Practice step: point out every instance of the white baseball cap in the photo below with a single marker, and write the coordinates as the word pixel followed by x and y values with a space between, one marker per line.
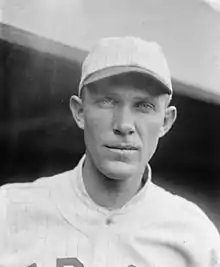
pixel 116 55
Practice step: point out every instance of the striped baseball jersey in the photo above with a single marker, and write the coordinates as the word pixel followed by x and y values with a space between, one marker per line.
pixel 52 222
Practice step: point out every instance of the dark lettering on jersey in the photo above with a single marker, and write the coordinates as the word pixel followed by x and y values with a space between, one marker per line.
pixel 73 262
pixel 69 262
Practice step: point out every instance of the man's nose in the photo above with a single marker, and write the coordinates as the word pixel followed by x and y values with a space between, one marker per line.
pixel 123 122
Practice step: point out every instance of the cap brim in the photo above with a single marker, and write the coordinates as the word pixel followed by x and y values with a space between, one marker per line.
pixel 117 70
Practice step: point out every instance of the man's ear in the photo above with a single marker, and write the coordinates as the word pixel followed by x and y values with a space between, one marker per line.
pixel 169 119
pixel 76 107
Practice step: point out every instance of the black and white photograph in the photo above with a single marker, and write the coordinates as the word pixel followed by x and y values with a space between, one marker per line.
pixel 110 133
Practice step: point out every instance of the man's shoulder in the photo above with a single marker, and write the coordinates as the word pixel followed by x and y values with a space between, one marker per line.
pixel 182 224
pixel 175 204
pixel 38 184
pixel 38 191
pixel 181 212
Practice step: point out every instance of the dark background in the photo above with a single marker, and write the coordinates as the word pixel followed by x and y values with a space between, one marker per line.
pixel 38 136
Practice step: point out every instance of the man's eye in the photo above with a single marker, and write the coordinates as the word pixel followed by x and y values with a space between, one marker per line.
pixel 107 102
pixel 145 106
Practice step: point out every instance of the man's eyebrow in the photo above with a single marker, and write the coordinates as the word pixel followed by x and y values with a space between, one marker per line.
pixel 107 93
pixel 144 98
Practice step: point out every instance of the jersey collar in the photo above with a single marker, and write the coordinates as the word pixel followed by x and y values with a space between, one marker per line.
pixel 80 190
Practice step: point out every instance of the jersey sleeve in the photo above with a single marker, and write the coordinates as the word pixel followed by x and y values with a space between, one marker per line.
pixel 210 238
pixel 3 208
pixel 7 258
pixel 205 245
pixel 3 224
pixel 214 240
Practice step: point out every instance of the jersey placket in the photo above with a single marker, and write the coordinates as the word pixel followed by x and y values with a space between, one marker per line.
pixel 102 242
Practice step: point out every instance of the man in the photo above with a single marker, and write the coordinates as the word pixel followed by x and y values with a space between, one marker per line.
pixel 107 211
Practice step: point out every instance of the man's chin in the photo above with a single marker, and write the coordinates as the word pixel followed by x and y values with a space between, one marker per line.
pixel 118 170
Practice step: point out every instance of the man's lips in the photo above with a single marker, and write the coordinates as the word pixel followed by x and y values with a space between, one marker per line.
pixel 123 147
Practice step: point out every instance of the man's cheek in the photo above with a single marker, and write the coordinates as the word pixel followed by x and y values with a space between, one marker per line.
pixel 100 125
pixel 153 129
pixel 94 131
pixel 150 138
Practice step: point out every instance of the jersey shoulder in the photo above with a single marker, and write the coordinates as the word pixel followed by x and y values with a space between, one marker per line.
pixel 178 210
pixel 175 205
pixel 37 196
pixel 40 187
pixel 181 224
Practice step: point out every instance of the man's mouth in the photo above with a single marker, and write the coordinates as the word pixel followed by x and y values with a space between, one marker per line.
pixel 123 147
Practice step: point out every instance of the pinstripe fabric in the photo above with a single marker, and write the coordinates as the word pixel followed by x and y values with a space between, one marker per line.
pixel 53 222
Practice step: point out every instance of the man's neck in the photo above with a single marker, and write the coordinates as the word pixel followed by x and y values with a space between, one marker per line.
pixel 107 192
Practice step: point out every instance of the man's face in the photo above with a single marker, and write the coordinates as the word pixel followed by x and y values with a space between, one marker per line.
pixel 122 125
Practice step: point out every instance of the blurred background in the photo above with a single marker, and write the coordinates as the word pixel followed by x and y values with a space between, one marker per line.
pixel 42 46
